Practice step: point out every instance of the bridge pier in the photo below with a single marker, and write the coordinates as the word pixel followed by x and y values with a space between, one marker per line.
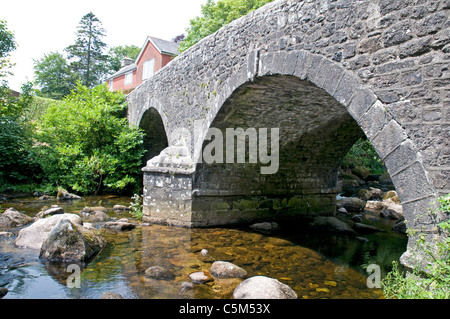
pixel 170 199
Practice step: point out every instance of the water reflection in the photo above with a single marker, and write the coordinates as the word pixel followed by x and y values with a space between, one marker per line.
pixel 315 265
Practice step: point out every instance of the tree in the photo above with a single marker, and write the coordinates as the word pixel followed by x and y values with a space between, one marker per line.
pixel 215 15
pixel 7 45
pixel 85 143
pixel 15 136
pixel 87 52
pixel 118 53
pixel 52 74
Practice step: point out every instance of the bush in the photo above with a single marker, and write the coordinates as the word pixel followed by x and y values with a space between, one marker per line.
pixel 16 165
pixel 85 143
pixel 434 281
pixel 363 154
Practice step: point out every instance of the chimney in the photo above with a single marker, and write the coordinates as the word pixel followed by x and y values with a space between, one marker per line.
pixel 126 61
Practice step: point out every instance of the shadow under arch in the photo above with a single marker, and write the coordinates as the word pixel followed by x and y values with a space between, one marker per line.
pixel 155 138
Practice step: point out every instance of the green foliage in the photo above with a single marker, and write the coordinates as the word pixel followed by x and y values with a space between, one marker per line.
pixel 116 55
pixel 53 75
pixel 215 15
pixel 15 135
pixel 85 143
pixel 434 281
pixel 136 206
pixel 88 60
pixel 7 45
pixel 363 154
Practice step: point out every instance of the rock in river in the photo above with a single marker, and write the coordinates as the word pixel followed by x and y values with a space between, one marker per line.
pixel 224 269
pixel 65 195
pixel 70 242
pixel 34 235
pixel 261 287
pixel 121 225
pixel 351 204
pixel 12 218
pixel 331 224
pixel 160 273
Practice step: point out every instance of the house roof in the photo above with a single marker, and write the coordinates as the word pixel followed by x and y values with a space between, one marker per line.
pixel 163 46
pixel 122 71
pixel 166 47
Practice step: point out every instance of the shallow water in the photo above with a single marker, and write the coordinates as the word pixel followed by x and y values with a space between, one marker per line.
pixel 315 265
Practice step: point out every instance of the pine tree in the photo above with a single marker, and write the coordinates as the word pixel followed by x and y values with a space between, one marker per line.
pixel 87 52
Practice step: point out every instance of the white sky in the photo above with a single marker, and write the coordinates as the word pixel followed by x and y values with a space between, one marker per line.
pixel 43 26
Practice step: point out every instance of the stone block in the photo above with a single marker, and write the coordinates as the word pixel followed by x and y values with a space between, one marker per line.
pixel 312 67
pixel 417 213
pixel 252 64
pixel 290 62
pixel 389 138
pixel 329 75
pixel 403 155
pixel 374 120
pixel 265 64
pixel 348 85
pixel 279 59
pixel 301 64
pixel 412 183
pixel 362 100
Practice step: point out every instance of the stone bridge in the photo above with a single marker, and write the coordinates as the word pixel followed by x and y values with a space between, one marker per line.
pixel 325 73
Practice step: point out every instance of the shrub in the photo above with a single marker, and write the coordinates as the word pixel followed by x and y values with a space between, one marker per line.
pixel 16 165
pixel 363 154
pixel 434 281
pixel 85 143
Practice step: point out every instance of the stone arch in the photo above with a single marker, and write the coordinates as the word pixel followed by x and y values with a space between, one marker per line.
pixel 356 108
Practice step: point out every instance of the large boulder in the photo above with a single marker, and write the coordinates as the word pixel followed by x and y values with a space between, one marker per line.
pixel 361 172
pixel 365 229
pixel 265 227
pixel 351 204
pixel 99 216
pixel 224 269
pixel 34 235
pixel 392 210
pixel 261 287
pixel 65 195
pixel 70 242
pixel 12 218
pixel 331 224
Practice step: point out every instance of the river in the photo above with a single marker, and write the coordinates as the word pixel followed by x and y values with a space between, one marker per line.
pixel 315 265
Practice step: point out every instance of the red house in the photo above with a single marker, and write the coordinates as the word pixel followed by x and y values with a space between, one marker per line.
pixel 154 55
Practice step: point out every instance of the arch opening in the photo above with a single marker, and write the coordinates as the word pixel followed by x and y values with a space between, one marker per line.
pixel 315 134
pixel 155 138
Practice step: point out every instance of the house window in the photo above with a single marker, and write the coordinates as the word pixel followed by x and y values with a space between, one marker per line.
pixel 148 68
pixel 128 78
pixel 111 82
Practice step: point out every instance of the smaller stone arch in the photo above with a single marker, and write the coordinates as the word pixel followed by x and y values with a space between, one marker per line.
pixel 155 138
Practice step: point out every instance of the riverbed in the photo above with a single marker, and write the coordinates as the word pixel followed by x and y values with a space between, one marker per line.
pixel 315 265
